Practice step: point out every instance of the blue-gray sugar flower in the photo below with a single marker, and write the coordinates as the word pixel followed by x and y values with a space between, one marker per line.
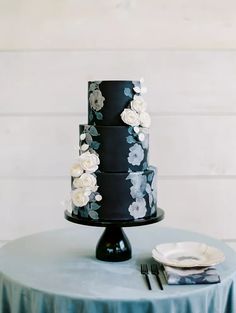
pixel 136 154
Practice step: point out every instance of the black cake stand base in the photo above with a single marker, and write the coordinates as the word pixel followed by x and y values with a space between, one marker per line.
pixel 114 245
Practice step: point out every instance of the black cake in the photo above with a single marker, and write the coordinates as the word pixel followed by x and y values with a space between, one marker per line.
pixel 111 180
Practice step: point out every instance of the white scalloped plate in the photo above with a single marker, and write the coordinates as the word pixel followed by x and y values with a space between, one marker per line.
pixel 187 254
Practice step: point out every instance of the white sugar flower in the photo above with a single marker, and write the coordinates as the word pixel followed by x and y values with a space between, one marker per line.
pixel 145 142
pixel 136 129
pixel 98 197
pixel 76 182
pixel 79 198
pixel 89 162
pixel 138 104
pixel 138 208
pixel 83 136
pixel 145 119
pixel 86 180
pixel 136 154
pixel 140 90
pixel 130 117
pixel 84 147
pixel 76 170
pixel 139 181
pixel 96 100
pixel 136 192
pixel 141 137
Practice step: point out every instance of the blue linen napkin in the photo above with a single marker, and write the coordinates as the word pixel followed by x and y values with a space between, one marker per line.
pixel 191 276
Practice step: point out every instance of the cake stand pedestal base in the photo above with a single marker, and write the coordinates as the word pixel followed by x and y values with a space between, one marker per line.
pixel 114 246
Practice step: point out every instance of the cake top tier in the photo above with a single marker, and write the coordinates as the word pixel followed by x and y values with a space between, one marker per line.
pixel 107 100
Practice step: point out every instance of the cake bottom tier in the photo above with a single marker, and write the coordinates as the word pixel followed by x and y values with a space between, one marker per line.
pixel 125 196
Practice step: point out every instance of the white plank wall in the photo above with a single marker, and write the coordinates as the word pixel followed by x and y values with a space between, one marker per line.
pixel 117 24
pixel 184 49
pixel 179 82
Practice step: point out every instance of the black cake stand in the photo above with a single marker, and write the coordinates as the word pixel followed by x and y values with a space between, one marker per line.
pixel 114 245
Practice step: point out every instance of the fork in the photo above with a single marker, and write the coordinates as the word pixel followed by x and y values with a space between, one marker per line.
pixel 144 271
pixel 155 271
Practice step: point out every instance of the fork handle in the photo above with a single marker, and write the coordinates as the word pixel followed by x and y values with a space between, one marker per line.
pixel 159 281
pixel 148 282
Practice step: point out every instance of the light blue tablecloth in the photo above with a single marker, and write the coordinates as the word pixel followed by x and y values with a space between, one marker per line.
pixel 56 272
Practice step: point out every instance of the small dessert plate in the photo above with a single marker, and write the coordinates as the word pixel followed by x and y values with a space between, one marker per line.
pixel 187 254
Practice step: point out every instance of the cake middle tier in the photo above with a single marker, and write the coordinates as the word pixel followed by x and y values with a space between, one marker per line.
pixel 120 148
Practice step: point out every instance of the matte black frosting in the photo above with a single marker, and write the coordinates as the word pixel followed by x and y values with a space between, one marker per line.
pixel 118 147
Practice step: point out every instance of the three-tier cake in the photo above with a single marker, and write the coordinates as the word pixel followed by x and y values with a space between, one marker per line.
pixel 112 180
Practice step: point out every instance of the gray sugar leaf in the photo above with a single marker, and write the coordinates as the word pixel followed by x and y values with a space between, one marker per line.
pixel 93 215
pixel 128 93
pixel 94 206
pixel 88 139
pixel 130 139
pixel 93 131
pixel 99 115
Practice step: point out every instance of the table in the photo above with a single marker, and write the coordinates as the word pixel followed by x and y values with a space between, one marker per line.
pixel 57 272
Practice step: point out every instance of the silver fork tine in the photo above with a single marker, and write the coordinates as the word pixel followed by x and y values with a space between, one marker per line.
pixel 144 271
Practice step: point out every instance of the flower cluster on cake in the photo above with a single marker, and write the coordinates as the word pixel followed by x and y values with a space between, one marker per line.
pixel 111 179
